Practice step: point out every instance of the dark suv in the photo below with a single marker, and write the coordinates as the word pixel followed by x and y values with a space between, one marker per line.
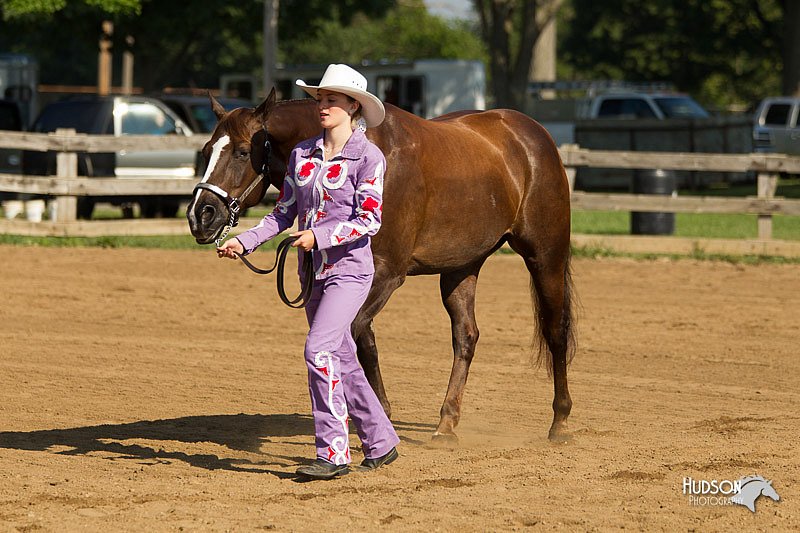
pixel 10 120
pixel 196 110
pixel 117 115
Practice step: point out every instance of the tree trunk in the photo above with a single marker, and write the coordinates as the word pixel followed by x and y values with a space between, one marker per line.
pixel 791 47
pixel 510 68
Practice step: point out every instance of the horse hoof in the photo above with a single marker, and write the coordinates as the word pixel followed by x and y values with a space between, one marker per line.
pixel 559 435
pixel 444 440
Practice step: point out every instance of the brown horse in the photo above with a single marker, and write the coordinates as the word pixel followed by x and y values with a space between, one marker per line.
pixel 456 189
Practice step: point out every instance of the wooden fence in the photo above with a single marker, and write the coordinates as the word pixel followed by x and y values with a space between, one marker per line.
pixel 66 186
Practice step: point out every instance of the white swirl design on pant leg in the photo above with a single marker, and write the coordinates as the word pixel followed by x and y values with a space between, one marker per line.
pixel 339 449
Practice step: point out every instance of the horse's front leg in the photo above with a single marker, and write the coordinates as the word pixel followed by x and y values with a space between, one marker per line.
pixel 458 296
pixel 383 285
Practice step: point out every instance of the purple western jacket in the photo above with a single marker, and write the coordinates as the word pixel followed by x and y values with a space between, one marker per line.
pixel 340 200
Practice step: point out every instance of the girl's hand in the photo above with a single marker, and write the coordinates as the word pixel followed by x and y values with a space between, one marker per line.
pixel 229 247
pixel 305 239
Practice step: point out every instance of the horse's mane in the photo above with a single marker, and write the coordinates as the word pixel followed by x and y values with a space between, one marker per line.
pixel 750 479
pixel 293 101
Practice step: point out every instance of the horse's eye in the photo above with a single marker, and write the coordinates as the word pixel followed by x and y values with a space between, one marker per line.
pixel 242 154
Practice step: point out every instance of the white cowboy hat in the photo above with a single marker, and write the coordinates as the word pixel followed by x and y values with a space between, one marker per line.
pixel 346 80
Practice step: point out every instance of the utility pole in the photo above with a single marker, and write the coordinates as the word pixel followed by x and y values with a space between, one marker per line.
pixel 127 66
pixel 104 59
pixel 544 51
pixel 270 46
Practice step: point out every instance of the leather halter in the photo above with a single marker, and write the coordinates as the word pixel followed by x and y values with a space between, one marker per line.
pixel 234 204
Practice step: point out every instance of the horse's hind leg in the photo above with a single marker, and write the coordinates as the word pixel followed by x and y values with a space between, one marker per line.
pixel 458 296
pixel 551 288
pixel 383 286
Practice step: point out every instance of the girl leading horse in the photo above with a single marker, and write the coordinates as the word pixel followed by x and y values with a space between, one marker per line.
pixel 456 189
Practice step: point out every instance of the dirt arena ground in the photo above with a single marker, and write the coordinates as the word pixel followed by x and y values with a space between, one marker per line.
pixel 147 390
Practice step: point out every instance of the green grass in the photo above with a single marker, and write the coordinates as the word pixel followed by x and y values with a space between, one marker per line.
pixel 710 226
pixel 699 225
pixel 787 188
pixel 593 252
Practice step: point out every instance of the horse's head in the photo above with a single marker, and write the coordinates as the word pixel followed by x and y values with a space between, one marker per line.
pixel 237 172
pixel 769 491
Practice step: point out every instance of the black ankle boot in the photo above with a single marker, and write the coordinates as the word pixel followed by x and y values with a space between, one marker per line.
pixel 321 469
pixel 372 464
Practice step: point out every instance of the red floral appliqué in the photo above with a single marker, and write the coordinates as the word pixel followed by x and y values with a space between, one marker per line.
pixel 333 172
pixel 325 268
pixel 327 197
pixel 305 170
pixel 355 233
pixel 320 215
pixel 369 204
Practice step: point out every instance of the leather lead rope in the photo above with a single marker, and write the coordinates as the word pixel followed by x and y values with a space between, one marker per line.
pixel 280 263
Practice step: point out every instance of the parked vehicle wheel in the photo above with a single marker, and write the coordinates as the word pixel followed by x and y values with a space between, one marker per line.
pixel 85 208
pixel 159 208
pixel 128 210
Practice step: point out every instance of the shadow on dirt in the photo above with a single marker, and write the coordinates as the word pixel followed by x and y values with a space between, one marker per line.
pixel 241 432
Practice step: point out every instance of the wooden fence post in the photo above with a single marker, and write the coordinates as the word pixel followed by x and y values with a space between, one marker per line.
pixel 571 171
pixel 66 167
pixel 767 184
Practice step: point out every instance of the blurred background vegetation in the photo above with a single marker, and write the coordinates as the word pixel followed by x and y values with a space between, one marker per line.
pixel 724 52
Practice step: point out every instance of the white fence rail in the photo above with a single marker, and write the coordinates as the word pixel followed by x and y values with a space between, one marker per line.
pixel 66 186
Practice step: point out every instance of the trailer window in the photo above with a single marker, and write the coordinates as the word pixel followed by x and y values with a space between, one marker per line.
pixel 406 92
pixel 414 96
pixel 389 89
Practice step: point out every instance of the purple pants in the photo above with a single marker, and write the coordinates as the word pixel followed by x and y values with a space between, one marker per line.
pixel 339 390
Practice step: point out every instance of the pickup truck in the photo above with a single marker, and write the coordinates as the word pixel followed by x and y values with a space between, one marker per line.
pixel 117 115
pixel 559 116
pixel 776 125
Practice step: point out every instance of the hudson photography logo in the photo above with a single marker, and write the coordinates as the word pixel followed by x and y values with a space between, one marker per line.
pixel 744 491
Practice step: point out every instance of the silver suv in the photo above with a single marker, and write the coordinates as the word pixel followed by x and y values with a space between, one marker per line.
pixel 776 125
pixel 117 115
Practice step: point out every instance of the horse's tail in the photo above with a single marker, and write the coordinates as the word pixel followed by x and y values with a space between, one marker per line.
pixel 564 337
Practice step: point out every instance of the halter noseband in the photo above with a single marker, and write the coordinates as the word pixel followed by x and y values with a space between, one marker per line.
pixel 234 204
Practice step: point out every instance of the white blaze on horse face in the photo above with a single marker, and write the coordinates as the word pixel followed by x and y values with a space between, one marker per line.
pixel 216 150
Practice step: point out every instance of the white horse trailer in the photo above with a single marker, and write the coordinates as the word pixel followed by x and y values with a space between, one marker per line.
pixel 428 88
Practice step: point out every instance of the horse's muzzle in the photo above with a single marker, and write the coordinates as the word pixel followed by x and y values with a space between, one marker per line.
pixel 206 220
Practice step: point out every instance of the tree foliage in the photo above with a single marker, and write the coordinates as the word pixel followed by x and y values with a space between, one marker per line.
pixel 406 31
pixel 723 51
pixel 193 43
pixel 22 8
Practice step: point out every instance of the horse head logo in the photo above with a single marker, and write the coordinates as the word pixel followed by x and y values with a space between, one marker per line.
pixel 751 488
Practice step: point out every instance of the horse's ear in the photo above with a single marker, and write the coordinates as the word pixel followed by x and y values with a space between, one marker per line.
pixel 216 106
pixel 262 111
